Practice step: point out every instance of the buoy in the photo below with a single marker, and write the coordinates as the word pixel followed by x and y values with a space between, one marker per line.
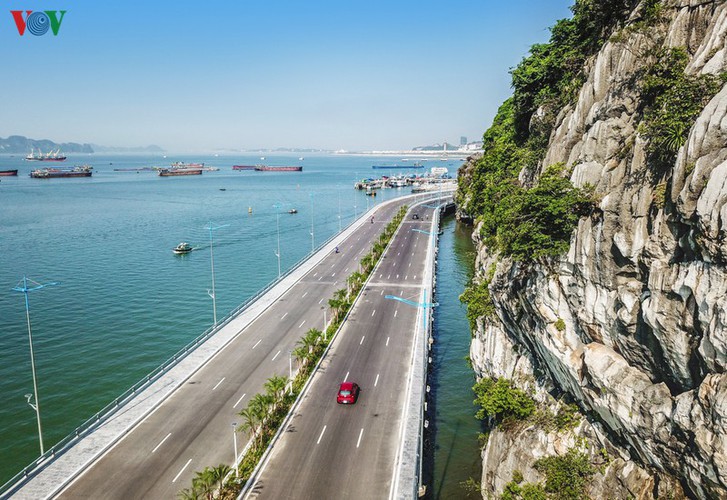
pixel 249 210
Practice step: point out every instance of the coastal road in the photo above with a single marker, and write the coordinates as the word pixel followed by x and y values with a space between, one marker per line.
pixel 349 451
pixel 193 428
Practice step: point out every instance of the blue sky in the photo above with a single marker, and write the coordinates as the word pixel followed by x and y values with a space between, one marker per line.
pixel 201 76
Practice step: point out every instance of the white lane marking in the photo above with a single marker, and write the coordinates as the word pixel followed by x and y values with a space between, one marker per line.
pixel 362 339
pixel 256 343
pixel 398 254
pixel 360 434
pixel 409 264
pixel 388 277
pixel 276 355
pixel 320 278
pixel 218 383
pixel 373 312
pixel 396 312
pixel 382 292
pixel 345 270
pixel 306 293
pixel 283 316
pixel 376 382
pixel 321 436
pixel 381 274
pixel 180 472
pixel 320 301
pixel 238 401
pixel 406 277
pixel 332 275
pixel 301 324
pixel 346 377
pixel 415 276
pixel 316 274
pixel 387 341
pixel 161 443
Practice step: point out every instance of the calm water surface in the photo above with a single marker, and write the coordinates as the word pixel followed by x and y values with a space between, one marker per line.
pixel 456 450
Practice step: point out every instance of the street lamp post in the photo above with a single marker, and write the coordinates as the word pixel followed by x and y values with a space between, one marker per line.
pixel 339 208
pixel 312 227
pixel 25 289
pixel 277 226
pixel 212 265
pixel 234 440
pixel 290 371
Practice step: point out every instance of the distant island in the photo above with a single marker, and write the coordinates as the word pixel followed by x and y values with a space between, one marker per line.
pixel 18 144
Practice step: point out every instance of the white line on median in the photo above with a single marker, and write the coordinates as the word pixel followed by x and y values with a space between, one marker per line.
pixel 238 401
pixel 161 443
pixel 218 383
pixel 276 355
pixel 321 436
pixel 360 434
pixel 180 472
pixel 376 382
pixel 256 343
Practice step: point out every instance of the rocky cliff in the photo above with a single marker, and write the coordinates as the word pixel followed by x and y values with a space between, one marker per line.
pixel 630 323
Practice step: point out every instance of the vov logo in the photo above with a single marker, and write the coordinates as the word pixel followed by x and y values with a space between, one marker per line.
pixel 38 22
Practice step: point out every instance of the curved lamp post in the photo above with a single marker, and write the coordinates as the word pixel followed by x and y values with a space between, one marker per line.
pixel 25 289
pixel 211 293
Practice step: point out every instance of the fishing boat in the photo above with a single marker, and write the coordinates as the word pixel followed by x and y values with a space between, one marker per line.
pixel 53 173
pixel 50 156
pixel 183 247
pixel 292 211
pixel 267 168
pixel 8 173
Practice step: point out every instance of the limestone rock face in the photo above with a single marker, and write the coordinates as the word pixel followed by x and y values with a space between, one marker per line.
pixel 642 291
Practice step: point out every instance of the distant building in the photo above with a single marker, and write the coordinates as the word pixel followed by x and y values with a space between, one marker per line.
pixel 462 141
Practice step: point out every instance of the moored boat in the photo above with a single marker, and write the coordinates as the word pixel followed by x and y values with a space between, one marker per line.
pixel 53 173
pixel 50 156
pixel 268 168
pixel 8 173
pixel 171 172
pixel 243 167
pixel 183 247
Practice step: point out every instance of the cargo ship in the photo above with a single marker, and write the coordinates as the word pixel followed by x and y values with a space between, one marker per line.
pixel 266 168
pixel 243 167
pixel 171 172
pixel 50 156
pixel 53 173
pixel 8 173
pixel 181 164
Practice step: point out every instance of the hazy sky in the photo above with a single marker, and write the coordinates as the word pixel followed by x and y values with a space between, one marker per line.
pixel 198 76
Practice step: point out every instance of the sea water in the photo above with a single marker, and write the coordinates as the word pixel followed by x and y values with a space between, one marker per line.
pixel 125 303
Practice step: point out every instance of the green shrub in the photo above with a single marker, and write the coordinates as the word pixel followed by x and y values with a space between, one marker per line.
pixel 500 400
pixel 560 325
pixel 478 299
pixel 566 476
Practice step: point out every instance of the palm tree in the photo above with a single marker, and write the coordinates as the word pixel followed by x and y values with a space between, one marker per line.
pixel 276 387
pixel 218 474
pixel 188 494
pixel 367 262
pixel 250 421
pixel 203 483
pixel 301 355
pixel 338 303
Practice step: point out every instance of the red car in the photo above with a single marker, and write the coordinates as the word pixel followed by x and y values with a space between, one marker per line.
pixel 347 393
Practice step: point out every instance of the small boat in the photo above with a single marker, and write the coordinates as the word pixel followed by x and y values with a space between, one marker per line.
pixel 223 189
pixel 182 248
pixel 7 173
pixel 292 211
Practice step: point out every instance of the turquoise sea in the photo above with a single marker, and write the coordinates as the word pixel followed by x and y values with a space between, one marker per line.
pixel 125 302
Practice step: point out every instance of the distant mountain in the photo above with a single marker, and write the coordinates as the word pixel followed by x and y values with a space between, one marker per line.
pixel 436 147
pixel 153 148
pixel 17 144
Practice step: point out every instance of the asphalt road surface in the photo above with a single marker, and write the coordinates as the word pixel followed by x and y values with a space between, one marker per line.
pixel 332 451
pixel 192 429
